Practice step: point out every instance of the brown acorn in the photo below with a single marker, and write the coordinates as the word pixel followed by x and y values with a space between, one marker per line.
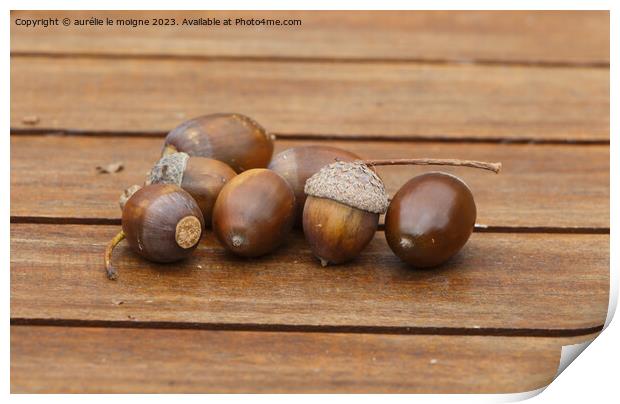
pixel 430 219
pixel 341 213
pixel 202 177
pixel 233 139
pixel 161 222
pixel 297 164
pixel 254 213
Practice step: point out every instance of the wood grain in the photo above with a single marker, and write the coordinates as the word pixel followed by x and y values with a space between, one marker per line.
pixel 108 360
pixel 314 99
pixel 557 37
pixel 491 320
pixel 555 282
pixel 540 185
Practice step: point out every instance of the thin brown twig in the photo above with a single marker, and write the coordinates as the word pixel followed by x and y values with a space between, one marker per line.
pixel 495 167
pixel 107 259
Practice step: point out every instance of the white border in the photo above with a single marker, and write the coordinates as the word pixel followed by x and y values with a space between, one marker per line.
pixel 592 375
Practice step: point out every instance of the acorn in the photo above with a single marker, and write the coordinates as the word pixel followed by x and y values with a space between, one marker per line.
pixel 254 213
pixel 341 213
pixel 202 177
pixel 233 139
pixel 297 164
pixel 128 193
pixel 430 219
pixel 161 222
pixel 344 201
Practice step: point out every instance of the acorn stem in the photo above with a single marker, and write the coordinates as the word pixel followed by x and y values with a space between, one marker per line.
pixel 110 271
pixel 495 167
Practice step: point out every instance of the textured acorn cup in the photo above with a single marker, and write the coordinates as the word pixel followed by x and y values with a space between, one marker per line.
pixel 430 219
pixel 203 178
pixel 297 164
pixel 233 139
pixel 161 222
pixel 254 213
pixel 341 213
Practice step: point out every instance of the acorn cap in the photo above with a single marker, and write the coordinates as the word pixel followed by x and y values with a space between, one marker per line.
pixel 127 193
pixel 351 183
pixel 169 169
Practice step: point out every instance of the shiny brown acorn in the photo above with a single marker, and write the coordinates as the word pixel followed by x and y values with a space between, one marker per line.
pixel 254 213
pixel 234 139
pixel 161 222
pixel 430 219
pixel 341 213
pixel 203 178
pixel 297 164
pixel 345 199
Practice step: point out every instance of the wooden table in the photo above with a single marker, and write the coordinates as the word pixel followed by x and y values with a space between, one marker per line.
pixel 530 89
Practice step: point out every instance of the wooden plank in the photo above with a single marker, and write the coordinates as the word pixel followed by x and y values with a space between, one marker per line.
pixel 314 99
pixel 554 282
pixel 110 360
pixel 515 37
pixel 540 186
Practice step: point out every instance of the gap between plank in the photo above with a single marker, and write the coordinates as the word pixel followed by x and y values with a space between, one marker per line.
pixel 315 59
pixel 332 329
pixel 478 227
pixel 321 136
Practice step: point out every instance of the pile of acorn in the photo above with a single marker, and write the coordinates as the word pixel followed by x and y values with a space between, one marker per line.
pixel 217 169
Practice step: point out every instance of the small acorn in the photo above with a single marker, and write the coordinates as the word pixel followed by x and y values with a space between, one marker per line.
pixel 234 139
pixel 202 177
pixel 254 213
pixel 297 164
pixel 161 222
pixel 430 219
pixel 341 213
